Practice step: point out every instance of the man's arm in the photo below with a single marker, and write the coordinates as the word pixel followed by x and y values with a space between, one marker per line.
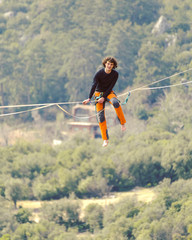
pixel 92 90
pixel 86 101
pixel 94 85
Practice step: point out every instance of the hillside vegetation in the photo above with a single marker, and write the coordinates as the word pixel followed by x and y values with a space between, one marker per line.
pixel 49 52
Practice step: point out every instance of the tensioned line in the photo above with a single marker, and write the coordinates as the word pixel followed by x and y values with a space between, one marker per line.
pixel 35 105
pixel 163 79
pixel 45 105
pixel 29 110
pixel 167 86
pixel 79 102
pixel 140 89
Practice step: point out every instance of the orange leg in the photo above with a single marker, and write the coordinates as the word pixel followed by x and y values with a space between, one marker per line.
pixel 100 108
pixel 112 99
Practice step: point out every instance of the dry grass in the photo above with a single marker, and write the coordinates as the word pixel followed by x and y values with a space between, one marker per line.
pixel 30 204
pixel 141 194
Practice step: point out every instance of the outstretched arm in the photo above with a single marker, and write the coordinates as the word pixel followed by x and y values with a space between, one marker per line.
pixel 101 100
pixel 94 84
pixel 86 101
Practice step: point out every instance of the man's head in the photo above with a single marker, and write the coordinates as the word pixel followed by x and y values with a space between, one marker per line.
pixel 111 60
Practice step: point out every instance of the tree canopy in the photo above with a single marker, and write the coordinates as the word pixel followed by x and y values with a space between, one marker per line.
pixel 49 52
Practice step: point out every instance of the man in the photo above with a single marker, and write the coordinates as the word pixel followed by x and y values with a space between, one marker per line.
pixel 102 88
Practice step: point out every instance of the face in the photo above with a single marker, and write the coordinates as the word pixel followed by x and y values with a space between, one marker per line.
pixel 109 66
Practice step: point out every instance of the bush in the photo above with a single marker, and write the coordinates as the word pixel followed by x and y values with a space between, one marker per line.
pixel 94 217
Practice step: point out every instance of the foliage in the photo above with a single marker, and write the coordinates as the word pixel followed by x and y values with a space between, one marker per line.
pixel 15 190
pixel 49 52
pixel 46 40
pixel 23 215
pixel 94 217
pixel 65 212
pixel 6 216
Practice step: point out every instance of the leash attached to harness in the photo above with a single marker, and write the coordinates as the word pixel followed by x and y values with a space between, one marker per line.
pixel 127 98
pixel 100 95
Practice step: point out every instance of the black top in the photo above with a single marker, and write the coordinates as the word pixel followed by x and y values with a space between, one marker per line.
pixel 103 82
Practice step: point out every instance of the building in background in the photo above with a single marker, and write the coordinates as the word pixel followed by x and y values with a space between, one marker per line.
pixel 85 119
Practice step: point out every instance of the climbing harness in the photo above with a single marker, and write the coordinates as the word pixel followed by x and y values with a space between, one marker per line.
pixel 98 97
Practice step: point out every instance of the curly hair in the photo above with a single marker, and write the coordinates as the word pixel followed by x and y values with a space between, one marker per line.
pixel 111 60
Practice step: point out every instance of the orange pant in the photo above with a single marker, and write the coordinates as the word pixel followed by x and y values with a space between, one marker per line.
pixel 100 109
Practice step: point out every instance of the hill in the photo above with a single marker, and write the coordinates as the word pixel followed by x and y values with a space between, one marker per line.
pixel 50 50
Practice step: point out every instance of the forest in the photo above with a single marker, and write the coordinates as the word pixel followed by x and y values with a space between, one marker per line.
pixel 49 53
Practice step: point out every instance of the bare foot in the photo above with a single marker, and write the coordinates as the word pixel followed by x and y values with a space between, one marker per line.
pixel 105 143
pixel 123 127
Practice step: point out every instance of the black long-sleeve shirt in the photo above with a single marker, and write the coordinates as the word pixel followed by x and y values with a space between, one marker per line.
pixel 103 82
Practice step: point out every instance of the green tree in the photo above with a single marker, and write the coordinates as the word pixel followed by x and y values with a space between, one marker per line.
pixel 93 186
pixel 6 69
pixel 143 12
pixel 6 237
pixel 151 67
pixel 6 217
pixel 94 217
pixel 23 215
pixel 123 43
pixel 46 187
pixel 15 190
pixel 64 212
pixel 84 70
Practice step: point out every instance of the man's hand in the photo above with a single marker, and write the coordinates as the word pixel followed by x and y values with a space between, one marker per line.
pixel 101 100
pixel 86 101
